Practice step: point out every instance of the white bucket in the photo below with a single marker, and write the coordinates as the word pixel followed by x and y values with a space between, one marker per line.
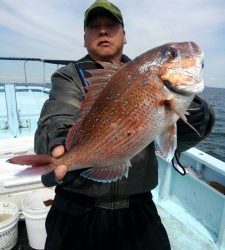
pixel 35 213
pixel 9 216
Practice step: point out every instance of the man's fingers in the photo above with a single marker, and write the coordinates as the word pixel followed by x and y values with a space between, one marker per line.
pixel 58 151
pixel 60 172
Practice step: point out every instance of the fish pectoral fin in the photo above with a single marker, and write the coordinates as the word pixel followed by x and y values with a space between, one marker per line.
pixel 181 113
pixel 178 109
pixel 107 174
pixel 167 142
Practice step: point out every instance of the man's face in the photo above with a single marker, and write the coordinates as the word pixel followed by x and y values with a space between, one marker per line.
pixel 104 39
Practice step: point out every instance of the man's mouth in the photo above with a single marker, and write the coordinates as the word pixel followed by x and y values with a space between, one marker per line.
pixel 104 43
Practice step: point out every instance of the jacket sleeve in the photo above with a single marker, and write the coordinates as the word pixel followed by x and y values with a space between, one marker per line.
pixel 60 111
pixel 201 116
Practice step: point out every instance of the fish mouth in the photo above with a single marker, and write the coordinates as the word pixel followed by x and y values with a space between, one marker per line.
pixel 182 89
pixel 184 79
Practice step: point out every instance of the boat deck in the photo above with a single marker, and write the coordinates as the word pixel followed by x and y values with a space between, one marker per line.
pixel 183 230
pixel 22 243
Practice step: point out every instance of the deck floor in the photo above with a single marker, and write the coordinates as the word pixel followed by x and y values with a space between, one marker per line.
pixel 22 243
pixel 184 231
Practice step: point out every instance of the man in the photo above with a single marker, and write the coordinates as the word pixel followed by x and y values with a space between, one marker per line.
pixel 91 215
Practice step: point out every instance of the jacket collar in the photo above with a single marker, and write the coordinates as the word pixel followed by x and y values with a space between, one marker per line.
pixel 87 58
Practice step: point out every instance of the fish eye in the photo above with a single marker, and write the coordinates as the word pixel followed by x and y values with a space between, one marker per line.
pixel 172 53
pixel 169 53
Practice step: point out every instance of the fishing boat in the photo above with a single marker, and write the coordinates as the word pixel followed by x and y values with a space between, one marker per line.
pixel 191 205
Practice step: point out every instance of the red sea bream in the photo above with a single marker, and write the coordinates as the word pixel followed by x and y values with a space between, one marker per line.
pixel 126 108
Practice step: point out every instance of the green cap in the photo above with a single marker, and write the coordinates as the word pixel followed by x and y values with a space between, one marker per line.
pixel 106 5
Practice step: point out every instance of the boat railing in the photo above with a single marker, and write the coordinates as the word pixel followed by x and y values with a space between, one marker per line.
pixel 21 102
pixel 17 117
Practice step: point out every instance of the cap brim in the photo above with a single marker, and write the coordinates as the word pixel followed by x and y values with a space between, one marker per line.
pixel 111 11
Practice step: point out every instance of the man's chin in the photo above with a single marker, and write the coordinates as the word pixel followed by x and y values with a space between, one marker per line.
pixel 106 56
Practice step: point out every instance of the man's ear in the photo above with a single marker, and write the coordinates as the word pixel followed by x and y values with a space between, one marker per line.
pixel 85 41
pixel 124 38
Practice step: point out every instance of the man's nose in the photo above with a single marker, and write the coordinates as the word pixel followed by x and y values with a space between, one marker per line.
pixel 103 30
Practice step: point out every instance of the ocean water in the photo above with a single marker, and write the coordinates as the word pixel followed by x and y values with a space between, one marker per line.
pixel 214 144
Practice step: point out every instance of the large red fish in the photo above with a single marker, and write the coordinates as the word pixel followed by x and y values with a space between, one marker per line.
pixel 126 109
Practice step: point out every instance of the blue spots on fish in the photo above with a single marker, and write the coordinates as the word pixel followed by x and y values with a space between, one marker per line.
pixel 144 82
pixel 106 121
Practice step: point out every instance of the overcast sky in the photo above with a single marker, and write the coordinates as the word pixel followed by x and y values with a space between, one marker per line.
pixel 53 29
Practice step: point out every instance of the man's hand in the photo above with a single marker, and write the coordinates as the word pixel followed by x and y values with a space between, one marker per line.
pixel 60 170
pixel 201 117
pixel 58 151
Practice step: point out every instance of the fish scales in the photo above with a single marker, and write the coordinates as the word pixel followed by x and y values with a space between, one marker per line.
pixel 119 124
pixel 113 150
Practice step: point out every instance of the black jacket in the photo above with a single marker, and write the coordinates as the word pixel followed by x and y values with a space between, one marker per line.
pixel 62 108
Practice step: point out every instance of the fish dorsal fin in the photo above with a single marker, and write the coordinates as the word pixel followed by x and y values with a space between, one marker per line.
pixel 111 65
pixel 97 82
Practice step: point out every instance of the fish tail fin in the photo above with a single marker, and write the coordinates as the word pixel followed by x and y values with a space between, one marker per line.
pixel 33 160
pixel 40 165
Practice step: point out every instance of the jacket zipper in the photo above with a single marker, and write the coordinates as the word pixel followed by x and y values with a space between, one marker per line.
pixel 115 192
